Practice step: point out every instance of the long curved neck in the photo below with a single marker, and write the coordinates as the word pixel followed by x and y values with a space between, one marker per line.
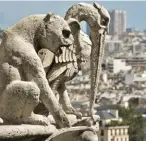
pixel 84 12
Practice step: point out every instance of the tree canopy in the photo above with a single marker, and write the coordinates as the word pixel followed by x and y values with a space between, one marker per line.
pixel 137 124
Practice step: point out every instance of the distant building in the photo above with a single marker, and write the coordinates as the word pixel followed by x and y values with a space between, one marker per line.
pixel 113 47
pixel 137 49
pixel 79 83
pixel 136 61
pixel 106 116
pixel 129 78
pixel 118 22
pixel 111 128
pixel 114 133
pixel 118 64
pixel 131 30
pixel 134 99
pixel 126 63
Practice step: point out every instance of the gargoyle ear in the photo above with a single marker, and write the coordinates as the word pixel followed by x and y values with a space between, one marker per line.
pixel 74 25
pixel 97 6
pixel 47 17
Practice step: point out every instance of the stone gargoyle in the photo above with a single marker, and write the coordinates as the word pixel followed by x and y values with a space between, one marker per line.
pixel 23 80
pixel 98 20
pixel 66 66
pixel 26 79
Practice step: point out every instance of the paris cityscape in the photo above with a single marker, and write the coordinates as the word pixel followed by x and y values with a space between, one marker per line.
pixel 121 98
pixel 122 82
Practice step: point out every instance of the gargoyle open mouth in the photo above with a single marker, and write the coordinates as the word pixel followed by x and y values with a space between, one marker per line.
pixel 59 50
pixel 67 45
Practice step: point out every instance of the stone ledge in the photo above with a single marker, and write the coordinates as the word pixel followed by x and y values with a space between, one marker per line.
pixel 66 134
pixel 22 132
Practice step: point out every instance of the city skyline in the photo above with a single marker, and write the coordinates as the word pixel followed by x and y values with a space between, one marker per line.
pixel 118 22
pixel 18 10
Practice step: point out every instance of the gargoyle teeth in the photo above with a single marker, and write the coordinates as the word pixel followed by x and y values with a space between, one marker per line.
pixel 64 59
pixel 67 55
pixel 56 59
pixel 60 58
pixel 70 56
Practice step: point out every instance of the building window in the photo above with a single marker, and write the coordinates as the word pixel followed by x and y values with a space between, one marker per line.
pixel 102 132
pixel 124 131
pixel 125 139
pixel 117 139
pixel 115 131
pixel 121 139
pixel 112 139
pixel 119 131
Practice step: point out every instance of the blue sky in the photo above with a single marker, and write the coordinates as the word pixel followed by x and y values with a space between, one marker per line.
pixel 12 11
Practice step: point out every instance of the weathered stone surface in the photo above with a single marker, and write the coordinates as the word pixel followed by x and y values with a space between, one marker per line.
pixel 72 59
pixel 26 78
pixel 25 132
pixel 98 19
pixel 70 134
pixel 64 68
pixel 22 77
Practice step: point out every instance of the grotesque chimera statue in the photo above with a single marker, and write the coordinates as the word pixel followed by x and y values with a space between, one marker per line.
pixel 66 66
pixel 22 77
pixel 26 79
pixel 98 20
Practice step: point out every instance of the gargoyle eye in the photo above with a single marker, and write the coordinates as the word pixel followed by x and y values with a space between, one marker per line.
pixel 66 33
pixel 104 22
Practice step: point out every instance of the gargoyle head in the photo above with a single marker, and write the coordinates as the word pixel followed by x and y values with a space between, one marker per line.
pixel 54 33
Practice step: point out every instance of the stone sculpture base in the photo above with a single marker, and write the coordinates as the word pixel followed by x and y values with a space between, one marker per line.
pixel 45 133
pixel 26 132
pixel 74 134
pixel 82 128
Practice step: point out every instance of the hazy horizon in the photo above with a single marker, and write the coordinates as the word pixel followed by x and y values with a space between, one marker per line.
pixel 13 11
